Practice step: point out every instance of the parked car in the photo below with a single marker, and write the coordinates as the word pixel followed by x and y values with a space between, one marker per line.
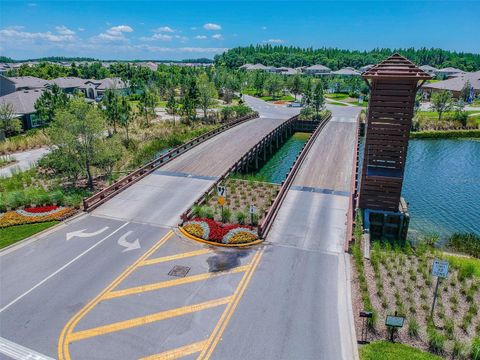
pixel 295 104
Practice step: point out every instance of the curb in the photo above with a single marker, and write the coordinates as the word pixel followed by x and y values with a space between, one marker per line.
pixel 191 237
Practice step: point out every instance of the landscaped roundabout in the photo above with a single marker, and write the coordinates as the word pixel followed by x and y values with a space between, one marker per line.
pixel 217 233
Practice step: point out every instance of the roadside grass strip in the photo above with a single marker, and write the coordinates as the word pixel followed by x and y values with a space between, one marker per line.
pixel 205 346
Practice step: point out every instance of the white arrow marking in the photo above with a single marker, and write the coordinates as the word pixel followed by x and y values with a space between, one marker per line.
pixel 128 245
pixel 19 352
pixel 81 233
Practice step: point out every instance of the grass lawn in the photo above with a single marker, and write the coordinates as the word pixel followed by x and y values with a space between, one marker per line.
pixel 383 350
pixel 466 263
pixel 13 234
pixel 337 96
pixel 281 98
pixel 337 103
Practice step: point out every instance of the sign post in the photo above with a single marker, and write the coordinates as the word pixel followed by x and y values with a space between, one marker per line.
pixel 440 270
pixel 394 322
pixel 253 210
pixel 222 195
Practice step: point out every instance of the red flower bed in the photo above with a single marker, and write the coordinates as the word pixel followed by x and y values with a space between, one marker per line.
pixel 41 209
pixel 218 230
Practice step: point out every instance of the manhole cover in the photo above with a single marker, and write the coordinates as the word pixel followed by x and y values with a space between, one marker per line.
pixel 179 271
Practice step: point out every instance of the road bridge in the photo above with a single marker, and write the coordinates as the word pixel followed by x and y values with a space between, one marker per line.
pixel 98 286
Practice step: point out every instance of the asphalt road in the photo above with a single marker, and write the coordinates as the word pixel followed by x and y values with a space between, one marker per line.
pixel 101 286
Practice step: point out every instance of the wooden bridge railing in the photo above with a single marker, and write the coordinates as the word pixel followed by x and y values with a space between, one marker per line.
pixel 353 189
pixel 235 167
pixel 272 211
pixel 99 198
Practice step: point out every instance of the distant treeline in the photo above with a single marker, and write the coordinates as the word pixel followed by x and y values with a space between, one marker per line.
pixel 337 58
pixel 5 59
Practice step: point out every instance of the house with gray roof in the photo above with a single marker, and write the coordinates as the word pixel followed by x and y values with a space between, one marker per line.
pixel 317 70
pixel 96 88
pixel 69 84
pixel 456 84
pixel 9 85
pixel 348 71
pixel 449 71
pixel 23 103
pixel 430 70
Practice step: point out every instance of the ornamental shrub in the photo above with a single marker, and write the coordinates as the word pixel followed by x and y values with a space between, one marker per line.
pixel 436 341
pixel 227 214
pixel 240 216
pixel 475 351
pixel 413 327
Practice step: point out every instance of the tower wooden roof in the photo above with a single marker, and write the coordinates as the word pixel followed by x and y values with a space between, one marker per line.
pixel 396 67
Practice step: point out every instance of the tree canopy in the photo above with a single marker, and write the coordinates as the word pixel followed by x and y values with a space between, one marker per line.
pixel 338 58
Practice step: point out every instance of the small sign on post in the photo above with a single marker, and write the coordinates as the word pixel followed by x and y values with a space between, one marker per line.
pixel 440 270
pixel 222 197
pixel 253 211
pixel 394 322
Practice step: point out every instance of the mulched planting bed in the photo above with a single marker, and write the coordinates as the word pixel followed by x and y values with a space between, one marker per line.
pixel 399 279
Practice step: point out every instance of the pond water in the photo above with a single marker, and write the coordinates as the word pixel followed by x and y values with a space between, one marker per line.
pixel 442 186
pixel 276 168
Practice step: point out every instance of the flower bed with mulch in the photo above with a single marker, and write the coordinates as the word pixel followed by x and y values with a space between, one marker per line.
pixel 211 230
pixel 35 215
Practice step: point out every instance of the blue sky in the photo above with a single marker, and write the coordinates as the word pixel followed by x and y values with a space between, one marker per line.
pixel 121 29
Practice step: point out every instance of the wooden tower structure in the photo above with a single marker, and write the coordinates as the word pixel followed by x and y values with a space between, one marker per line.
pixel 393 85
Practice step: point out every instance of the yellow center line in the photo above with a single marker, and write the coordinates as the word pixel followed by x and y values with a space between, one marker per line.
pixel 178 352
pixel 63 350
pixel 175 257
pixel 169 283
pixel 144 320
pixel 229 310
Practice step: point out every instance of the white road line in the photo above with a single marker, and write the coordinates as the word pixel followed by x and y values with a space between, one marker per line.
pixel 19 352
pixel 62 268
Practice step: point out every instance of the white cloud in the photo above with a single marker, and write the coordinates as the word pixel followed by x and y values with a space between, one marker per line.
pixel 200 37
pixel 217 37
pixel 210 26
pixel 274 41
pixel 81 29
pixel 162 37
pixel 9 34
pixel 64 30
pixel 166 29
pixel 115 33
pixel 180 49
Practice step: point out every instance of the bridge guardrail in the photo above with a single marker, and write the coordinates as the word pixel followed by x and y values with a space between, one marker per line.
pixel 353 190
pixel 272 211
pixel 184 217
pixel 99 198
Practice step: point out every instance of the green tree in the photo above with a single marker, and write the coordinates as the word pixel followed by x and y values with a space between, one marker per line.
pixel 465 93
pixel 77 133
pixel 296 85
pixel 441 102
pixel 259 78
pixel 274 85
pixel 147 104
pixel 190 101
pixel 50 102
pixel 125 116
pixel 112 108
pixel 318 100
pixel 10 124
pixel 207 93
pixel 172 105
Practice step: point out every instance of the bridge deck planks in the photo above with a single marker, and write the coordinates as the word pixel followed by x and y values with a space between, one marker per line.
pixel 215 156
pixel 328 164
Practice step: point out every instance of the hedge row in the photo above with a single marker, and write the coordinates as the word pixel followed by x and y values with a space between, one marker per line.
pixel 445 134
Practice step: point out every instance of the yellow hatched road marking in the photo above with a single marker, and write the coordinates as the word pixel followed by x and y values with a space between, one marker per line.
pixel 169 283
pixel 228 312
pixel 175 257
pixel 144 320
pixel 178 352
pixel 63 341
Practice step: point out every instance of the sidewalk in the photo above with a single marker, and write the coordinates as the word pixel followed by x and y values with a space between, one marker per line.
pixel 25 160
